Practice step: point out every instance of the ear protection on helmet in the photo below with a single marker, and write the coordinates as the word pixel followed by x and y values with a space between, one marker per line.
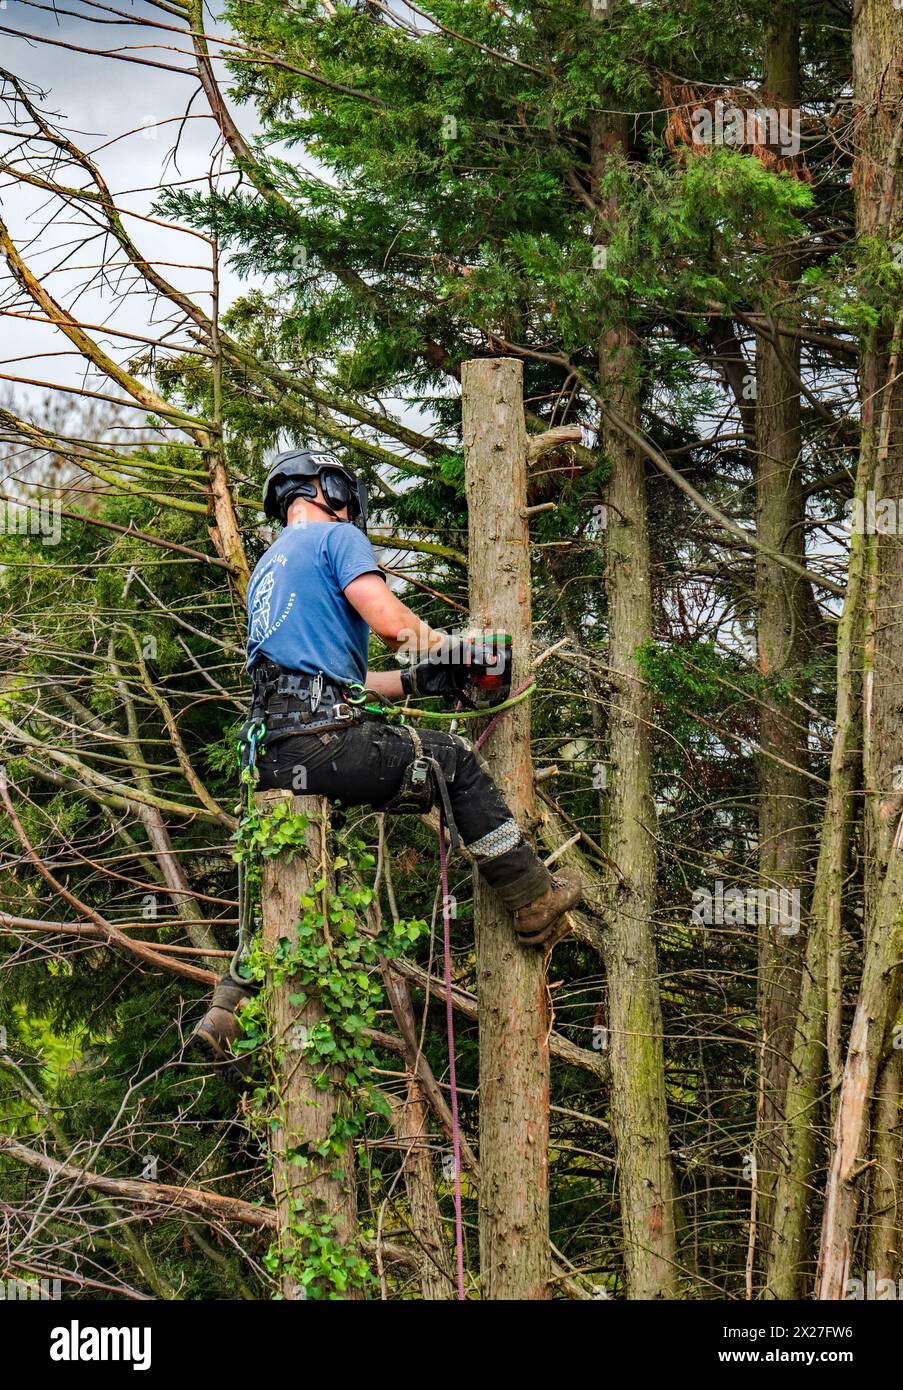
pixel 336 488
pixel 295 474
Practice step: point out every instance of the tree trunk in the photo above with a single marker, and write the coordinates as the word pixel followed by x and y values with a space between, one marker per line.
pixel 319 1189
pixel 850 1153
pixel 513 1020
pixel 784 610
pixel 639 1109
pixel 638 1102
pixel 878 91
pixel 787 1269
pixel 884 1235
pixel 879 993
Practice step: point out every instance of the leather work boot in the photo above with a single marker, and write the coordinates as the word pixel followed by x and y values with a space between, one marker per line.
pixel 542 922
pixel 220 1028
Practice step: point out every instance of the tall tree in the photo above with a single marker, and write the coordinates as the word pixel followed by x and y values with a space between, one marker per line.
pixel 785 612
pixel 638 1100
pixel 878 87
pixel 511 984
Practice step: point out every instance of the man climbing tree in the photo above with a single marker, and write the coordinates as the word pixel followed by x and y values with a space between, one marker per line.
pixel 319 718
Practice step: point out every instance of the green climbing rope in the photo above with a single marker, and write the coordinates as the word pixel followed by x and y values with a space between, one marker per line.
pixel 489 713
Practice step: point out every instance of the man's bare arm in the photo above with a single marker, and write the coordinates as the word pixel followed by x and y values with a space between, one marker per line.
pixel 387 683
pixel 389 618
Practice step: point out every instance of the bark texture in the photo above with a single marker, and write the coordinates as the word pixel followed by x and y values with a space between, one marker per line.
pixel 514 1054
pixel 878 93
pixel 784 625
pixel 639 1111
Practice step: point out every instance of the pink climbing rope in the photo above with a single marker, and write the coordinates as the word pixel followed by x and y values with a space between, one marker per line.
pixel 496 717
pixel 450 1026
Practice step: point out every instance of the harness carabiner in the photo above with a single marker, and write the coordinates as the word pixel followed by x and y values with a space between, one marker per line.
pixel 255 735
pixel 379 704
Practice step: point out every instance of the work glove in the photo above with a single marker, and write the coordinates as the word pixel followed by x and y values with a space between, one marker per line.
pixel 475 669
pixel 443 672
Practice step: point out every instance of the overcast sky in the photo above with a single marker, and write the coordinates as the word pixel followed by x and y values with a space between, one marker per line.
pixel 127 117
pixel 97 101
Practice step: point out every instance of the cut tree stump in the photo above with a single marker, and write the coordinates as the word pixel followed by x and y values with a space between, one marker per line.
pixel 307 1106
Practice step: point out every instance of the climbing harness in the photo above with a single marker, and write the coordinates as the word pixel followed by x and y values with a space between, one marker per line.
pixel 293 702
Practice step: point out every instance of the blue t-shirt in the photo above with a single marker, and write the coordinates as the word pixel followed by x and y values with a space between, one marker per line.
pixel 298 615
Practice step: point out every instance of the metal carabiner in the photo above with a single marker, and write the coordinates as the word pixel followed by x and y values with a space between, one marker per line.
pixel 256 733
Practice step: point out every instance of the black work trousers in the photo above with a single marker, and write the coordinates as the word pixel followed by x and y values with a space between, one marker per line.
pixel 363 765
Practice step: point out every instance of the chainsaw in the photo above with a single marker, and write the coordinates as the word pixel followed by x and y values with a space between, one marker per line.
pixel 487 657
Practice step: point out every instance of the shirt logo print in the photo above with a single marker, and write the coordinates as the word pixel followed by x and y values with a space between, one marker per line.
pixel 260 613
